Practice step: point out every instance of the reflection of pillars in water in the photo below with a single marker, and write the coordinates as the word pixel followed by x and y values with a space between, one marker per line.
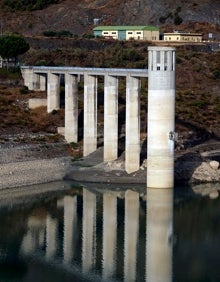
pixel 131 234
pixel 51 236
pixel 41 238
pixel 89 230
pixel 109 235
pixel 28 245
pixel 34 238
pixel 70 218
pixel 159 235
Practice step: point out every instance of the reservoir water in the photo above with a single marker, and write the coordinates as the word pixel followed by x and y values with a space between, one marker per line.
pixel 65 233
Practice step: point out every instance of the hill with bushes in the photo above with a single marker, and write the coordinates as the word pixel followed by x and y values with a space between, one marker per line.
pixel 55 31
pixel 35 17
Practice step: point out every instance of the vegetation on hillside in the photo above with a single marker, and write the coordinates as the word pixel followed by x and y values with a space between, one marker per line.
pixel 18 118
pixel 12 45
pixel 197 86
pixel 62 33
pixel 24 5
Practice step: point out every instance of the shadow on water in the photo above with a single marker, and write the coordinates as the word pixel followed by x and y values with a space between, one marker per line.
pixel 108 233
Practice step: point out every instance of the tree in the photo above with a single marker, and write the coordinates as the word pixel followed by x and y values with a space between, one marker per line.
pixel 12 45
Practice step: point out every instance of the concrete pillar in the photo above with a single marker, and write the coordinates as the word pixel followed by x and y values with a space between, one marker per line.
pixel 42 82
pixel 110 118
pixel 89 231
pixel 131 234
pixel 70 222
pixel 132 145
pixel 161 117
pixel 31 79
pixel 24 72
pixel 51 237
pixel 159 232
pixel 53 92
pixel 71 108
pixel 109 235
pixel 90 114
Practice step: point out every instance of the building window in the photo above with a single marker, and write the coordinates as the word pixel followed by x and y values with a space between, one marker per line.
pixel 113 32
pixel 138 32
pixel 105 32
pixel 130 32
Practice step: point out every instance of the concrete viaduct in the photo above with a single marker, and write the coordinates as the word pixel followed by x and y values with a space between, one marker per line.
pixel 161 109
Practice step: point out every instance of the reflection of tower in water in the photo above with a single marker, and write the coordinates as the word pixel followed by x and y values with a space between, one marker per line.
pixel 159 235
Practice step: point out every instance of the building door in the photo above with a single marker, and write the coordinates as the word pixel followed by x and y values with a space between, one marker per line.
pixel 122 34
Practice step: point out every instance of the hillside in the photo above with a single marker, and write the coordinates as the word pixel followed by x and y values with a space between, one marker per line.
pixel 197 86
pixel 78 16
pixel 198 68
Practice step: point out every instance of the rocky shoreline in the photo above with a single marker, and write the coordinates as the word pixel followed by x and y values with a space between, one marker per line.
pixel 28 164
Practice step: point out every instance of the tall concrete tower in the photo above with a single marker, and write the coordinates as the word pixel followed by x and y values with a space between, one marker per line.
pixel 161 117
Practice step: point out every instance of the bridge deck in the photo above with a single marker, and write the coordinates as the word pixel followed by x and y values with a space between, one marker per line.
pixel 89 71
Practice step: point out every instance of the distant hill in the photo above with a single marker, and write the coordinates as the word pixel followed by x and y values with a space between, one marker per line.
pixel 78 16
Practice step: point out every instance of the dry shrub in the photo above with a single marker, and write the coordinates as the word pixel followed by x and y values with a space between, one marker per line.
pixel 47 122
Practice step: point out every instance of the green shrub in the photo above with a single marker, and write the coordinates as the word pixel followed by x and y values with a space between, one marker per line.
pixel 41 63
pixel 23 5
pixel 54 112
pixel 218 109
pixel 64 33
pixel 162 19
pixel 23 90
pixel 49 33
pixel 177 20
pixel 88 35
pixel 178 60
pixel 200 104
pixel 197 67
pixel 216 74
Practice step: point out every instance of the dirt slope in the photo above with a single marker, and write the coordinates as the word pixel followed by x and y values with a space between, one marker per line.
pixel 78 16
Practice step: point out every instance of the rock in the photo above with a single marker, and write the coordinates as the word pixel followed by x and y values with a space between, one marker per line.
pixel 205 173
pixel 214 194
pixel 214 164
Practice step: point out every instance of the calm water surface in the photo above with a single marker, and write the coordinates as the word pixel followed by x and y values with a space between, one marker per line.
pixel 106 234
